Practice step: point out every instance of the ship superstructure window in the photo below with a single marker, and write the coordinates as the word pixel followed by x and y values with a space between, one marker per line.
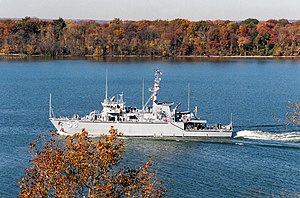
pixel 132 117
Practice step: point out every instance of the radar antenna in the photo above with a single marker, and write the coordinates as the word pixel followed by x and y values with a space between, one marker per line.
pixel 155 88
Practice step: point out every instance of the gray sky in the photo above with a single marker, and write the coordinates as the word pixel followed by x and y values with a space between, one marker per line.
pixel 151 9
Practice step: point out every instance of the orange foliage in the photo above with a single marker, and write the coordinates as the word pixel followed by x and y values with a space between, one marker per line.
pixel 150 38
pixel 86 167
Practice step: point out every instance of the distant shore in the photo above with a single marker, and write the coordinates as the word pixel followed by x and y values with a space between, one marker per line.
pixel 167 39
pixel 2 55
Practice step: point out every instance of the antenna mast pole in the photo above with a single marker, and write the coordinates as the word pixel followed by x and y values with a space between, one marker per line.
pixel 143 94
pixel 106 86
pixel 51 113
pixel 188 96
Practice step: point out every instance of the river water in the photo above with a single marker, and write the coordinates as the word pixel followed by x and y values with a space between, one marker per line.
pixel 262 160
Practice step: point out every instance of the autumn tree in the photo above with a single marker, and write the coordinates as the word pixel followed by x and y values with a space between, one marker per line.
pixel 6 28
pixel 85 167
pixel 178 37
pixel 244 39
pixel 292 115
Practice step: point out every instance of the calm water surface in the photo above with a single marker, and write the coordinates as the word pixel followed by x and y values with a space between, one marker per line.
pixel 263 160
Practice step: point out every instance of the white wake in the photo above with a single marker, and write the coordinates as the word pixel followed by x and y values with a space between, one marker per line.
pixel 261 135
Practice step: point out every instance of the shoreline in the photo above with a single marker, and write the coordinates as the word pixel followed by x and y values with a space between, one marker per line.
pixel 2 55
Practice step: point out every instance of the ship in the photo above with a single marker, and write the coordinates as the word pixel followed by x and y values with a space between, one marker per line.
pixel 153 119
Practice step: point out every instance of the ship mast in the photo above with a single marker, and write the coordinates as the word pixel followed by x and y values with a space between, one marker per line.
pixel 189 97
pixel 51 113
pixel 106 86
pixel 155 89
pixel 143 94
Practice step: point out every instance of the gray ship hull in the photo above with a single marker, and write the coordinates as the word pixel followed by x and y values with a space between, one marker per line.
pixel 135 129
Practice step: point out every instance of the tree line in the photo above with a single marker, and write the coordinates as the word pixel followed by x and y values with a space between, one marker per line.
pixel 178 37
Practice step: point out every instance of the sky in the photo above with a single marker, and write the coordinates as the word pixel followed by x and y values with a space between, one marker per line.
pixel 152 9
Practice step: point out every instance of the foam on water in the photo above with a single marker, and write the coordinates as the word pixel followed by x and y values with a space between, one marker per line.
pixel 263 135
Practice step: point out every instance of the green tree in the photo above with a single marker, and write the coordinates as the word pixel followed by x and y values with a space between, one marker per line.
pixel 58 25
pixel 283 22
pixel 250 22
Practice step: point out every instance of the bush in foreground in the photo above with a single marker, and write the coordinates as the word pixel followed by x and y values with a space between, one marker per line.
pixel 85 167
pixel 292 115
